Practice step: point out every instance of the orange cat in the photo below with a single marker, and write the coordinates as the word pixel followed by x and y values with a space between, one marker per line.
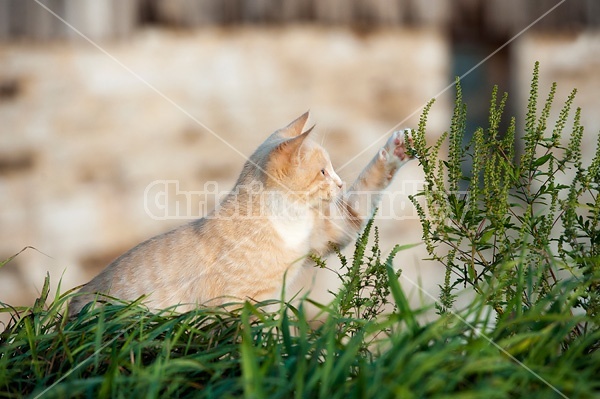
pixel 287 203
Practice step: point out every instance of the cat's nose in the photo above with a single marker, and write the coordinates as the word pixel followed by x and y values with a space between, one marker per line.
pixel 337 180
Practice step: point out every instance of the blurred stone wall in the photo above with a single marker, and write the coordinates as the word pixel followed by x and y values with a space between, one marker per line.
pixel 102 19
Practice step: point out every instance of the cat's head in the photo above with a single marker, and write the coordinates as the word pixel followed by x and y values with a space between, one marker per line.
pixel 290 162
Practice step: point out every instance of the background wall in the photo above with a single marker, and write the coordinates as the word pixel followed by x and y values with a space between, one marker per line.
pixel 87 126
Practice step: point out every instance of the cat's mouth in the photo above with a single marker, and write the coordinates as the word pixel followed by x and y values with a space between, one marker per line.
pixel 330 195
pixel 323 194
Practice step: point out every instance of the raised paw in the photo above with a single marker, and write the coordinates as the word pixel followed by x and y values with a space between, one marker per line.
pixel 395 150
pixel 394 153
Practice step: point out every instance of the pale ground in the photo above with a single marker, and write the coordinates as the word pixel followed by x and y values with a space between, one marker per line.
pixel 84 137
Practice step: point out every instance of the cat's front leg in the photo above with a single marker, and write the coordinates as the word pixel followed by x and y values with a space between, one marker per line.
pixel 364 195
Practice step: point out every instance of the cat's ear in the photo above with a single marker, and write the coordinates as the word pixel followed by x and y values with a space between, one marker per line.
pixel 292 146
pixel 294 129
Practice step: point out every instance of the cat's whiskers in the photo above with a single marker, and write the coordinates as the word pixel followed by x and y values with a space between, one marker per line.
pixel 341 205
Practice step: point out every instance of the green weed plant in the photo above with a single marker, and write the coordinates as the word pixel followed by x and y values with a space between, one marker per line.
pixel 515 234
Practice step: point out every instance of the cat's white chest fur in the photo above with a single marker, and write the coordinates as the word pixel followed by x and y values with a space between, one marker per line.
pixel 295 233
pixel 293 223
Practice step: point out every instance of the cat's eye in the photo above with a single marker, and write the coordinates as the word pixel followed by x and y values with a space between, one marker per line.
pixel 323 172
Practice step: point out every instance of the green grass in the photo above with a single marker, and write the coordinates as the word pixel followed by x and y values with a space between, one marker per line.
pixel 127 351
pixel 531 330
